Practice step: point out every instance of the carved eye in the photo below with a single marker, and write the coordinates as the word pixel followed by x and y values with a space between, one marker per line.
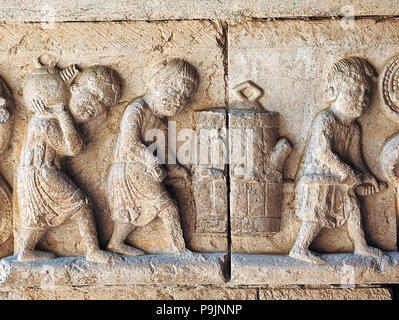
pixel 74 88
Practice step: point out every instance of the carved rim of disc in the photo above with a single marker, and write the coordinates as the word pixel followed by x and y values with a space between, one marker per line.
pixel 5 211
pixel 389 88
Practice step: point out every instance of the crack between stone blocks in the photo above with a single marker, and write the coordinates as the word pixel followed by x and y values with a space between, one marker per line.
pixel 235 19
pixel 225 48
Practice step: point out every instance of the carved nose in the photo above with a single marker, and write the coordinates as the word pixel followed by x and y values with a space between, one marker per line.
pixel 3 101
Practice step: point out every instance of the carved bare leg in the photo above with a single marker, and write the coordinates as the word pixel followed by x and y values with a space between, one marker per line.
pixel 356 233
pixel 307 233
pixel 119 235
pixel 28 253
pixel 88 233
pixel 171 219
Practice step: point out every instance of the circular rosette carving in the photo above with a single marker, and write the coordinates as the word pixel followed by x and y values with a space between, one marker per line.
pixel 389 88
pixel 5 211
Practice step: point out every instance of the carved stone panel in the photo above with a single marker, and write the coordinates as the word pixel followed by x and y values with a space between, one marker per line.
pixel 130 48
pixel 290 60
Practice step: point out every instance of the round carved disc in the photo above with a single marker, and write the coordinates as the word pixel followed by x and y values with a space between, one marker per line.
pixel 389 88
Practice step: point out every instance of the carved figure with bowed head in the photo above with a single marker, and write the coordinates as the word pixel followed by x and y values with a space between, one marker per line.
pixel 333 169
pixel 136 193
pixel 46 195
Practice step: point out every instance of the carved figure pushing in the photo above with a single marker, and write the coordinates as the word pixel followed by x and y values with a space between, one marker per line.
pixel 136 193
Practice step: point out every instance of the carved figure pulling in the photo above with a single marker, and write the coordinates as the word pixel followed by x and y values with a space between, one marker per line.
pixel 333 168
pixel 136 192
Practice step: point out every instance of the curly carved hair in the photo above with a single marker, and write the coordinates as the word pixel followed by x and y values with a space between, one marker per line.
pixel 176 72
pixel 350 67
pixel 105 79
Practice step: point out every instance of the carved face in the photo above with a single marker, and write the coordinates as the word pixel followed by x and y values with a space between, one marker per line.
pixel 170 99
pixel 87 101
pixel 353 97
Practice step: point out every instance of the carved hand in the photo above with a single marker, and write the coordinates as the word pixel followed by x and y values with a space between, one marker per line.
pixel 149 159
pixel 372 181
pixel 40 108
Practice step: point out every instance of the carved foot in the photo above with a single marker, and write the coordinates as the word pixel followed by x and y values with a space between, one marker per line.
pixel 125 250
pixel 369 251
pixel 34 255
pixel 306 255
pixel 100 256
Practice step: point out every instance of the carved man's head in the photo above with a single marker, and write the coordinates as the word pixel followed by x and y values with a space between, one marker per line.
pixel 349 84
pixel 171 86
pixel 93 91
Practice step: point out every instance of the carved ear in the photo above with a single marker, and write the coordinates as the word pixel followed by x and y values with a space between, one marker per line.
pixel 331 94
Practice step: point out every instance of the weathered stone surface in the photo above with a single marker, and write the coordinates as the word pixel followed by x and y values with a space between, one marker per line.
pixel 91 10
pixel 209 183
pixel 128 48
pixel 256 156
pixel 326 294
pixel 289 60
pixel 75 271
pixel 187 292
pixel 339 269
pixel 131 292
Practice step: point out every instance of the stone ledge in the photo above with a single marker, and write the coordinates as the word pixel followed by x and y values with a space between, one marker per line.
pixel 149 269
pixel 107 10
pixel 194 292
pixel 339 269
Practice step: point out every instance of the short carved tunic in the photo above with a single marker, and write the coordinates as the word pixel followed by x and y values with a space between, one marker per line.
pixel 333 148
pixel 46 195
pixel 134 196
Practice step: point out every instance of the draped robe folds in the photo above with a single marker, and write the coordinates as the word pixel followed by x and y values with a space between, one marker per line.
pixel 134 195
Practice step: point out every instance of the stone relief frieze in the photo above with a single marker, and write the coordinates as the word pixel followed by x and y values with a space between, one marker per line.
pixel 237 193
